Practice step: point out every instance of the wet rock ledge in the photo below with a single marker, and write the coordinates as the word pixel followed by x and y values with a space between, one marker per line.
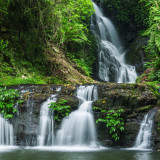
pixel 135 99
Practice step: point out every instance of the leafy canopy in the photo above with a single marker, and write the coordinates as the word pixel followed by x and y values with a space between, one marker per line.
pixel 73 20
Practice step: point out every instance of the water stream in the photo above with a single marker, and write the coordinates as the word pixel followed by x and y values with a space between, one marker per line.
pixel 143 140
pixel 79 128
pixel 46 136
pixel 46 125
pixel 6 132
pixel 111 57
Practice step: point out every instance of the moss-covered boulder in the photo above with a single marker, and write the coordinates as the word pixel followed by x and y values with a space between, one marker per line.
pixel 130 96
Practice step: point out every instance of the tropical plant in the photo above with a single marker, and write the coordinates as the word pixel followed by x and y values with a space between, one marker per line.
pixel 8 98
pixel 113 120
pixel 60 109
pixel 153 32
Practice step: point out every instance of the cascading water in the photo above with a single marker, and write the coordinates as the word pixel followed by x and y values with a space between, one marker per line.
pixel 111 56
pixel 79 128
pixel 29 139
pixel 6 132
pixel 143 140
pixel 46 136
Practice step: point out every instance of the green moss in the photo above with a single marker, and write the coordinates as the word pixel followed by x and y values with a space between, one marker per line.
pixel 145 108
pixel 9 80
pixel 154 86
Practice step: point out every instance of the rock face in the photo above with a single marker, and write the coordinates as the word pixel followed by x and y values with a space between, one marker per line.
pixel 136 54
pixel 135 99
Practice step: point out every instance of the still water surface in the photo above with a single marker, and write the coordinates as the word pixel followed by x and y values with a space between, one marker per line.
pixel 104 154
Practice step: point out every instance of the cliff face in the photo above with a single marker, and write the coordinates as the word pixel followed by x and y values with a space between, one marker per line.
pixel 135 99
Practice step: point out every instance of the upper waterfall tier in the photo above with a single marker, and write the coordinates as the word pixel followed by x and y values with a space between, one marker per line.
pixel 87 93
pixel 111 57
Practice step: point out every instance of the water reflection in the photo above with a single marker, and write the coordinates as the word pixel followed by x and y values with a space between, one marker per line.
pixel 147 156
pixel 112 154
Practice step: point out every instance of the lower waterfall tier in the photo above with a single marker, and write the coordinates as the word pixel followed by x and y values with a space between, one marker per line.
pixel 136 99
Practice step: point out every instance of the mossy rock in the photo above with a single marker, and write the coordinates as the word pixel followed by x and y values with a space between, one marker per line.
pixel 143 109
pixel 72 101
pixel 130 133
pixel 68 90
pixel 39 98
pixel 157 117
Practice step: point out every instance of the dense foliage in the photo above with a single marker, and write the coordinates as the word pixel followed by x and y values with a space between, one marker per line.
pixel 29 27
pixel 60 109
pixel 153 48
pixel 113 121
pixel 8 98
pixel 71 18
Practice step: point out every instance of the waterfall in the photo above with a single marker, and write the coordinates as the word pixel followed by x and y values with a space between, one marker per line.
pixel 78 128
pixel 29 139
pixel 6 132
pixel 46 136
pixel 111 57
pixel 143 140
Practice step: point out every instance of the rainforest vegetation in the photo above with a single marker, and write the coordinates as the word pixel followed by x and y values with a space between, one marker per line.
pixel 29 29
pixel 35 34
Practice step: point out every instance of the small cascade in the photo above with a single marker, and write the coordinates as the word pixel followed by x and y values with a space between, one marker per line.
pixel 6 132
pixel 29 139
pixel 111 57
pixel 46 136
pixel 143 140
pixel 79 128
